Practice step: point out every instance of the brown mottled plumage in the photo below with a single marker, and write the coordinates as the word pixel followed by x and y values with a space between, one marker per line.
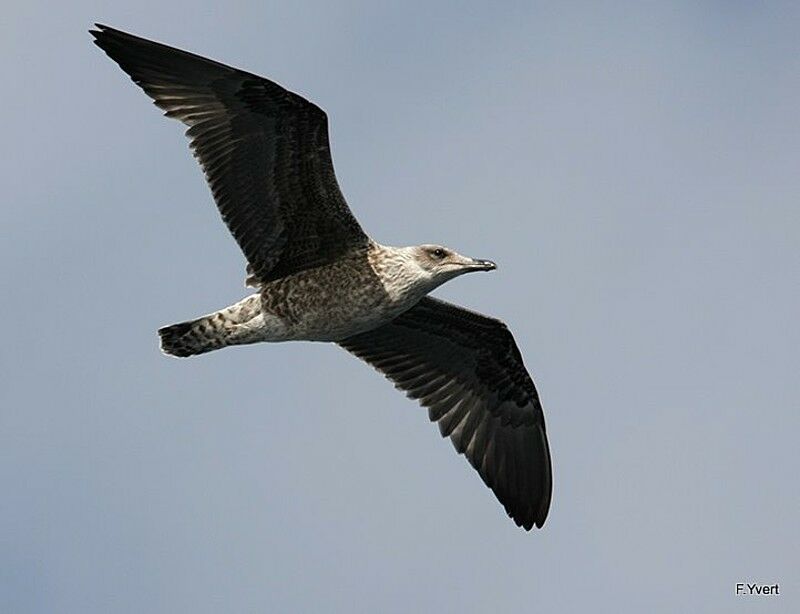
pixel 267 159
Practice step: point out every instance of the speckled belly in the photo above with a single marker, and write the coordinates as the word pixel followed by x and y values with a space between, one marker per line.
pixel 329 303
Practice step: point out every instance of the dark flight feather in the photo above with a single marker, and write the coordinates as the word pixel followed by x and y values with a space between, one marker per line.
pixel 466 368
pixel 264 150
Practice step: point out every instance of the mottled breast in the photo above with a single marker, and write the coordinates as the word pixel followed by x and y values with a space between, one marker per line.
pixel 334 301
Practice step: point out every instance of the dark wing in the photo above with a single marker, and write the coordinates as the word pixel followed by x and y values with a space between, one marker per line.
pixel 264 150
pixel 466 369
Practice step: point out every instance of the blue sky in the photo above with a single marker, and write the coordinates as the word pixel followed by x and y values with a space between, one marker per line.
pixel 633 170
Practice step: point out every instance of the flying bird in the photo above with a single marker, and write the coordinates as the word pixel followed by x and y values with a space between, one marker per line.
pixel 319 277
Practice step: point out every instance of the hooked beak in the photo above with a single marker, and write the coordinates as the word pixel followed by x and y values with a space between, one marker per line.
pixel 481 265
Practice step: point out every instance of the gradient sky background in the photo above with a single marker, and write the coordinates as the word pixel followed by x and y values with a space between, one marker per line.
pixel 633 169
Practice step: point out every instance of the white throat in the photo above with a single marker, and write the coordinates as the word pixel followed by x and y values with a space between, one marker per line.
pixel 401 275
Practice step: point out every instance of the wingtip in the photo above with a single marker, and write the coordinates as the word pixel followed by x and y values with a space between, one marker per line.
pixel 527 523
pixel 102 31
pixel 98 29
pixel 103 28
pixel 543 513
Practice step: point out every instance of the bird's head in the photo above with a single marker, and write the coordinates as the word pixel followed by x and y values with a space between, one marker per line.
pixel 419 269
pixel 439 264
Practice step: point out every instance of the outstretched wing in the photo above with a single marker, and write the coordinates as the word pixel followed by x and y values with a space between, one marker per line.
pixel 264 150
pixel 466 369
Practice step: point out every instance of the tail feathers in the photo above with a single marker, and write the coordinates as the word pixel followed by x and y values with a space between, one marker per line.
pixel 233 325
pixel 195 336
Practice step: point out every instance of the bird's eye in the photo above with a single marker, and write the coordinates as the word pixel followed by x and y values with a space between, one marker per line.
pixel 439 253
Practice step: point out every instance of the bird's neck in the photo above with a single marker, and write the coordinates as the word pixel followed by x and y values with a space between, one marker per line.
pixel 401 276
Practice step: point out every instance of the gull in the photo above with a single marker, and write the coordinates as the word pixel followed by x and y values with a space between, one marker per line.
pixel 319 277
